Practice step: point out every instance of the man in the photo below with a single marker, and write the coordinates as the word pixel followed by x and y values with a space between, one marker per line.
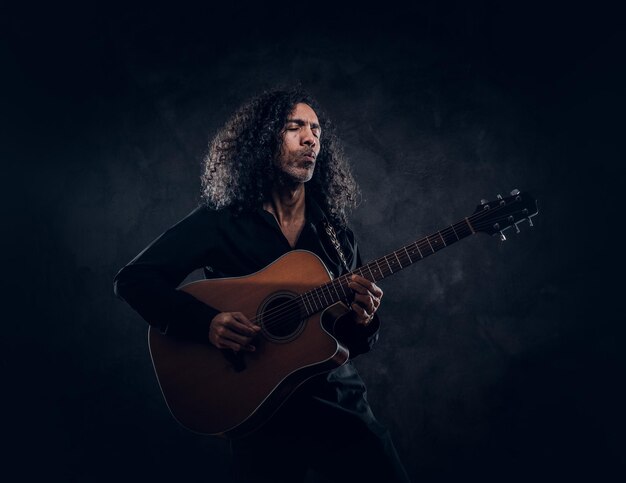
pixel 274 180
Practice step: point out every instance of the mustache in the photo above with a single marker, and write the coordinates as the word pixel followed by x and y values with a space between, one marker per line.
pixel 307 152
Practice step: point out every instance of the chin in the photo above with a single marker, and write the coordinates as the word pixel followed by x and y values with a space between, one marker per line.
pixel 303 179
pixel 307 177
pixel 300 175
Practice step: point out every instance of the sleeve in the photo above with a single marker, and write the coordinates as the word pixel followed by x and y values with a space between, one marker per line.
pixel 358 338
pixel 148 283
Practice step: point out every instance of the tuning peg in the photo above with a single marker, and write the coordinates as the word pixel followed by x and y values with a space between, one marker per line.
pixel 517 230
pixel 499 197
pixel 483 201
pixel 515 192
pixel 530 222
pixel 502 237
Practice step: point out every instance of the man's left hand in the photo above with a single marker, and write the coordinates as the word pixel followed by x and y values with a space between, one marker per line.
pixel 367 296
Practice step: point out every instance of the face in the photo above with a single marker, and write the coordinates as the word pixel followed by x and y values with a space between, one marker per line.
pixel 301 144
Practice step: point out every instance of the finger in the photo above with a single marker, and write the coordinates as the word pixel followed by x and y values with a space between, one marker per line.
pixel 235 337
pixel 360 311
pixel 360 279
pixel 244 320
pixel 376 301
pixel 361 319
pixel 371 286
pixel 229 344
pixel 220 333
pixel 357 287
pixel 225 342
pixel 376 291
pixel 365 301
pixel 239 347
pixel 213 339
pixel 235 325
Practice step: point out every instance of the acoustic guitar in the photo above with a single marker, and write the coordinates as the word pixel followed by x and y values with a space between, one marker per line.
pixel 296 303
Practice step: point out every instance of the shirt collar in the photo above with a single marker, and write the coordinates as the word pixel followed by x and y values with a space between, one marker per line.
pixel 313 211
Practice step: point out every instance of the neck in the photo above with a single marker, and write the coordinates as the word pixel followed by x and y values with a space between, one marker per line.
pixel 286 202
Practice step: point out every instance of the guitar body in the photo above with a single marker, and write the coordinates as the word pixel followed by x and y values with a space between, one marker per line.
pixel 213 391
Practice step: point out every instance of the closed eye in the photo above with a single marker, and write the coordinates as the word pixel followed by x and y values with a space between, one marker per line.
pixel 295 124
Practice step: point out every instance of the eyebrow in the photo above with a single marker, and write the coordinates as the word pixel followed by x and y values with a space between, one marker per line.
pixel 301 122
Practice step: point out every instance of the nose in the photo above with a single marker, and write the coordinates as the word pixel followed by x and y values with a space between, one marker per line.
pixel 308 138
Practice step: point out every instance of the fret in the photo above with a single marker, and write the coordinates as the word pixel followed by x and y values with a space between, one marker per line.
pixel 312 302
pixel 330 293
pixel 418 249
pixel 461 230
pixel 431 247
pixel 322 290
pixel 388 266
pixel 384 266
pixel 323 295
pixel 318 299
pixel 454 231
pixel 371 274
pixel 396 254
pixel 309 302
pixel 464 228
pixel 379 270
pixel 343 289
pixel 449 237
pixel 307 309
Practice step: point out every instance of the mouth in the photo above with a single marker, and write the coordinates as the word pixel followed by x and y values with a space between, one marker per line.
pixel 310 156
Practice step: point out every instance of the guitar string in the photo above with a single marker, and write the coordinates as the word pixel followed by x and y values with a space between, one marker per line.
pixel 293 307
pixel 297 307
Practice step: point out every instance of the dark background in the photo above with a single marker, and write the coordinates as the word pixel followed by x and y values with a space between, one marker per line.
pixel 497 361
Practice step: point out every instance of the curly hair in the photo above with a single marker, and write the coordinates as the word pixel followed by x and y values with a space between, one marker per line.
pixel 239 169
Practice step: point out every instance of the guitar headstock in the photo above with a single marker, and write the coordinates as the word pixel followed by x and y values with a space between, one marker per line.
pixel 496 216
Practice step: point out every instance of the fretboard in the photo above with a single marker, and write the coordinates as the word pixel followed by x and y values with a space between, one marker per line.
pixel 337 290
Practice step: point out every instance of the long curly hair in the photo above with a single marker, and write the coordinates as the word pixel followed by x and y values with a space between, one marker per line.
pixel 239 168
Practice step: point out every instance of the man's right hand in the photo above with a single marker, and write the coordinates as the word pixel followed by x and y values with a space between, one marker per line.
pixel 232 330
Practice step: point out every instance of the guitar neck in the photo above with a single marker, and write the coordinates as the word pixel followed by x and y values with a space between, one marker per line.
pixel 337 290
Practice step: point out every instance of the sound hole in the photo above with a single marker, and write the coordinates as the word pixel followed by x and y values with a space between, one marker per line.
pixel 281 318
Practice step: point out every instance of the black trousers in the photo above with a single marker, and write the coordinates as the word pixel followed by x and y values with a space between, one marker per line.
pixel 335 446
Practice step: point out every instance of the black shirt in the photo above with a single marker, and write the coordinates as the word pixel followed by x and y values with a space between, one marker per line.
pixel 227 244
